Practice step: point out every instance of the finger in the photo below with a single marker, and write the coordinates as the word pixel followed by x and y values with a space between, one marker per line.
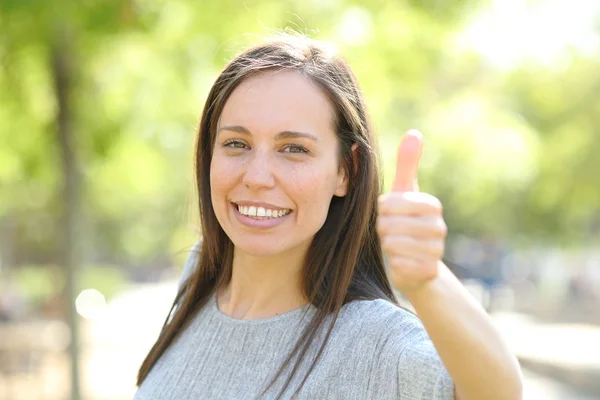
pixel 405 246
pixel 418 227
pixel 409 203
pixel 409 155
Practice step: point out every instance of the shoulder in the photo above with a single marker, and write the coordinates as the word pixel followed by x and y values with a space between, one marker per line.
pixel 380 327
pixel 385 319
pixel 405 359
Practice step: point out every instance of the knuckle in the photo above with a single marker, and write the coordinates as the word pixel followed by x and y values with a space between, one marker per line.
pixel 443 228
pixel 440 251
pixel 435 205
pixel 411 197
pixel 427 202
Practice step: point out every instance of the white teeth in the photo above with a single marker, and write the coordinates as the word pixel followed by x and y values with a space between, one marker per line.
pixel 261 212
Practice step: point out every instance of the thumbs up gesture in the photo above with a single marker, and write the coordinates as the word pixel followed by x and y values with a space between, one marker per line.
pixel 410 223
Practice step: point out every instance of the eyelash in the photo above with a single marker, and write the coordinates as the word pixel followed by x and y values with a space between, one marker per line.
pixel 302 149
pixel 230 142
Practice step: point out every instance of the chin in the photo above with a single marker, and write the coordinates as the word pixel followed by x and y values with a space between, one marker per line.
pixel 261 247
pixel 252 248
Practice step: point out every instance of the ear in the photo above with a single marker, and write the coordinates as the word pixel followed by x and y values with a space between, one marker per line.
pixel 342 187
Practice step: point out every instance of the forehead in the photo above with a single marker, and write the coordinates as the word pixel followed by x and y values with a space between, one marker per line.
pixel 275 101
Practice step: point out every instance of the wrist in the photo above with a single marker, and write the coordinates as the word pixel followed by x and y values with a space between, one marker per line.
pixel 428 289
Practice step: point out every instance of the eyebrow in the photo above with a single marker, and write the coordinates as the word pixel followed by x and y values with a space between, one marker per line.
pixel 280 135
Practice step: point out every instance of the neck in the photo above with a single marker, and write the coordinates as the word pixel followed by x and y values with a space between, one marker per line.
pixel 263 287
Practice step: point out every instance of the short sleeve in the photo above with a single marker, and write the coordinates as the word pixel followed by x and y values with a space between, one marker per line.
pixel 421 373
pixel 408 366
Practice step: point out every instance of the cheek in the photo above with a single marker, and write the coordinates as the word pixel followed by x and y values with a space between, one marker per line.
pixel 221 178
pixel 314 189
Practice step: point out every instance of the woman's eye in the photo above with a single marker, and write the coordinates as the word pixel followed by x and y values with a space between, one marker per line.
pixel 235 144
pixel 295 148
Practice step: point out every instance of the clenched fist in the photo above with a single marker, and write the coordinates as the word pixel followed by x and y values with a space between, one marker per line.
pixel 410 223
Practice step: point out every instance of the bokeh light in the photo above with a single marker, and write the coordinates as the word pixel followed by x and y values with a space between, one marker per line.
pixel 90 303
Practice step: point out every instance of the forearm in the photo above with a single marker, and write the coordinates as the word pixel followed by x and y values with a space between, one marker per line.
pixel 471 348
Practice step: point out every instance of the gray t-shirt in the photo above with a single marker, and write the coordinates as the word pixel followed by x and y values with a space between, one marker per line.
pixel 376 351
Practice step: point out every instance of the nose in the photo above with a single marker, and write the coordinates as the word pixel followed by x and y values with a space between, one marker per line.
pixel 258 172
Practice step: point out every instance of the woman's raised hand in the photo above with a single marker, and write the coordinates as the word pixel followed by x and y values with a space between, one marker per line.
pixel 410 223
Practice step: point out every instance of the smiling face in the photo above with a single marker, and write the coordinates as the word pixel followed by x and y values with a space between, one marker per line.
pixel 275 164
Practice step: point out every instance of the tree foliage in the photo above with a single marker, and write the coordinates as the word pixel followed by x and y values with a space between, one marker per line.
pixel 512 154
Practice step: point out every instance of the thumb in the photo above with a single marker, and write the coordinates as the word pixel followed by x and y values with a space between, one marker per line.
pixel 409 155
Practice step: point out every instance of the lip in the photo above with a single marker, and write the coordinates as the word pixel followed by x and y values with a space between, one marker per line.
pixel 258 223
pixel 258 204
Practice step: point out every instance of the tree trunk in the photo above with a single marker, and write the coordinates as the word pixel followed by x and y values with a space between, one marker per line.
pixel 68 255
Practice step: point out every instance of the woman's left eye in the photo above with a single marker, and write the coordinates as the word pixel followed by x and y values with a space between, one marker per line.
pixel 295 148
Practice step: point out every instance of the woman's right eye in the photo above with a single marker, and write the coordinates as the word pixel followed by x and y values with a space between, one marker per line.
pixel 235 144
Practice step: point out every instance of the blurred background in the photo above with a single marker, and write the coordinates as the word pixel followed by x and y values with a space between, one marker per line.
pixel 99 102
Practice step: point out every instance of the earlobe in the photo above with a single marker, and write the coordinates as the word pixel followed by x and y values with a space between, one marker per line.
pixel 342 188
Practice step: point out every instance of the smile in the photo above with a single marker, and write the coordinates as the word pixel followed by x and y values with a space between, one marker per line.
pixel 261 212
pixel 257 217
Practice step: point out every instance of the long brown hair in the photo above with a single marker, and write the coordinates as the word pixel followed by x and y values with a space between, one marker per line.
pixel 344 261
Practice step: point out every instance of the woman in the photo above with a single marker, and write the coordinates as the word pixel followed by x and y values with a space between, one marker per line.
pixel 287 295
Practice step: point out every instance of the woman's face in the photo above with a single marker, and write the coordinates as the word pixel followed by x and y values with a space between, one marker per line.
pixel 275 165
